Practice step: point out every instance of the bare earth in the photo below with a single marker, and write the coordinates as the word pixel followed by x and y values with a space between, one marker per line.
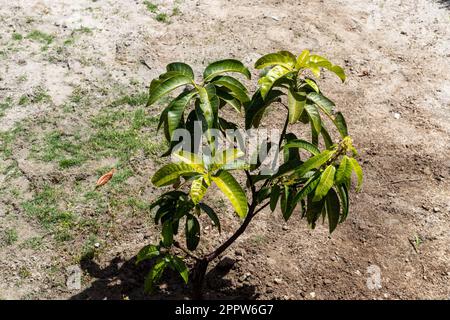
pixel 72 86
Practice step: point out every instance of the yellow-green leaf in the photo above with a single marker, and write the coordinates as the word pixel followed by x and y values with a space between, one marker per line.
pixel 296 104
pixel 166 87
pixel 268 80
pixel 358 172
pixel 302 59
pixel 325 183
pixel 198 189
pixel 222 66
pixel 233 191
pixel 170 172
pixel 192 159
pixel 282 58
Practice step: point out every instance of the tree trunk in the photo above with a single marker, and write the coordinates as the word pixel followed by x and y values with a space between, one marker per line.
pixel 198 278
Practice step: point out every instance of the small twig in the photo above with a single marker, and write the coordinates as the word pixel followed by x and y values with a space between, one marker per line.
pixel 145 64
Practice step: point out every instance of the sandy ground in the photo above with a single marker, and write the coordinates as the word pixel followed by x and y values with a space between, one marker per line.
pixel 72 70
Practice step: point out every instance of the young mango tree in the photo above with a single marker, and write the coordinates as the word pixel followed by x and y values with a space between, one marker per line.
pixel 314 178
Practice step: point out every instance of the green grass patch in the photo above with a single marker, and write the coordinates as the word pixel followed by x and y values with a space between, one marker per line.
pixel 162 17
pixel 138 99
pixel 34 243
pixel 41 37
pixel 9 237
pixel 17 36
pixel 153 8
pixel 44 208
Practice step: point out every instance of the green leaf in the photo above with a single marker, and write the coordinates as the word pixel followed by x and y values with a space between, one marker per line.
pixel 178 264
pixel 322 102
pixel 308 187
pixel 146 253
pixel 192 230
pixel 236 88
pixel 313 163
pixel 268 80
pixel 166 87
pixel 176 108
pixel 312 84
pixel 302 59
pixel 339 72
pixel 228 99
pixel 296 104
pixel 274 196
pixel 209 104
pixel 344 171
pixel 282 58
pixel 181 68
pixel 286 203
pixel 170 172
pixel 302 144
pixel 237 165
pixel 167 234
pixel 333 209
pixel 358 172
pixel 326 137
pixel 339 121
pixel 198 189
pixel 314 115
pixel 313 211
pixel 233 191
pixel 256 107
pixel 325 183
pixel 343 194
pixel 325 63
pixel 211 214
pixel 154 275
pixel 222 66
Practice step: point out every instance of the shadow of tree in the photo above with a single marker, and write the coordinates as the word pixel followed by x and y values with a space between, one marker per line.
pixel 124 279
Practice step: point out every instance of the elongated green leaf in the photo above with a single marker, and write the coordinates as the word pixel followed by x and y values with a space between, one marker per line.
pixel 176 108
pixel 148 252
pixel 333 209
pixel 313 163
pixel 314 210
pixel 228 99
pixel 274 196
pixel 358 171
pixel 282 58
pixel 302 144
pixel 256 107
pixel 326 137
pixel 325 183
pixel 167 234
pixel 178 264
pixel 343 194
pixel 233 191
pixel 168 173
pixel 325 63
pixel 181 68
pixel 302 59
pixel 198 190
pixel 192 230
pixel 312 84
pixel 236 88
pixel 344 171
pixel 209 104
pixel 286 203
pixel 339 121
pixel 325 104
pixel 211 214
pixel 307 188
pixel 266 82
pixel 166 87
pixel 296 104
pixel 314 115
pixel 223 66
pixel 154 275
